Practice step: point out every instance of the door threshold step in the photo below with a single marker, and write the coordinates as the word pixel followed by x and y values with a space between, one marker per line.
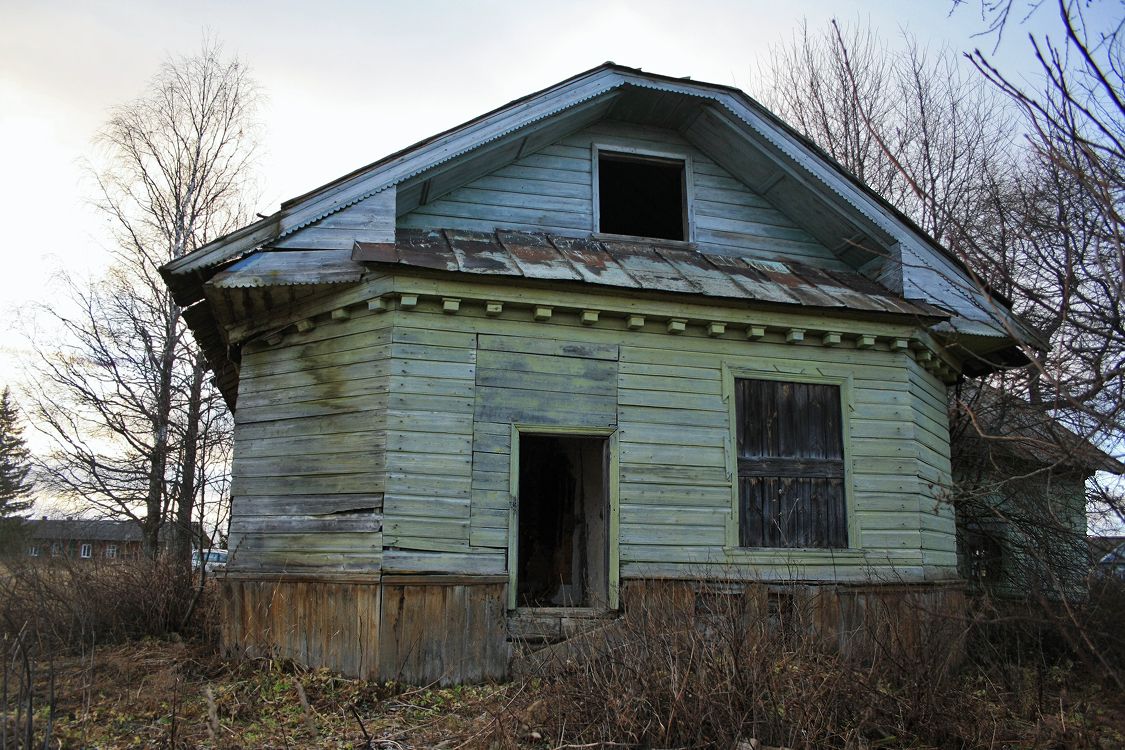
pixel 542 625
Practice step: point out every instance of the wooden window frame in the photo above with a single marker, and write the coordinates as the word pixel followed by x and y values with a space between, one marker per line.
pixel 613 523
pixel 111 551
pixel 643 154
pixel 800 373
pixel 85 551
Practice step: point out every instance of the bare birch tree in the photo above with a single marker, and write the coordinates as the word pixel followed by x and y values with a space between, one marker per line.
pixel 1066 222
pixel 136 428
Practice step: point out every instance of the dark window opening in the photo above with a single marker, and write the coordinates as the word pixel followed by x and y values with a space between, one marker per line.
pixel 985 556
pixel 790 465
pixel 563 555
pixel 642 197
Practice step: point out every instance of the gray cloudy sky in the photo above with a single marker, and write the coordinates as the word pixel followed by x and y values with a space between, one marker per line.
pixel 346 82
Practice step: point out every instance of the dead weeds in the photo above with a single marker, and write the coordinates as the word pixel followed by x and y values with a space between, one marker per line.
pixel 170 694
pixel 178 695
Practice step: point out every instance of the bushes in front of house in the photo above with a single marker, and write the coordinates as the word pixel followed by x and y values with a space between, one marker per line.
pixel 64 604
pixel 718 667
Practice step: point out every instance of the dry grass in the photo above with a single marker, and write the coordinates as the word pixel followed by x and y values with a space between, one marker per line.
pixel 710 670
pixel 171 694
pixel 62 603
pixel 715 669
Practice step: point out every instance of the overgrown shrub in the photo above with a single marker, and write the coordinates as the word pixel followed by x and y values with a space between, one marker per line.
pixel 708 667
pixel 67 604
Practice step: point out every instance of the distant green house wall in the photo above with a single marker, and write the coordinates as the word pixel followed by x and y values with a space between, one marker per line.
pixel 1033 519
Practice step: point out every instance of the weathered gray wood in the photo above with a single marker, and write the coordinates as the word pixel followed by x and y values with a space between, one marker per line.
pixel 551 191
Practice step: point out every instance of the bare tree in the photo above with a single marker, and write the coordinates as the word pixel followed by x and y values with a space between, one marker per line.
pixel 1066 222
pixel 136 427
pixel 1036 218
pixel 908 121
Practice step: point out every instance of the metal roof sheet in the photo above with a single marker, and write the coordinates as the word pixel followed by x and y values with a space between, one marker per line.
pixel 640 265
pixel 289 268
pixel 80 529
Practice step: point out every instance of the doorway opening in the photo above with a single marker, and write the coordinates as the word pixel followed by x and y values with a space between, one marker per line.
pixel 563 542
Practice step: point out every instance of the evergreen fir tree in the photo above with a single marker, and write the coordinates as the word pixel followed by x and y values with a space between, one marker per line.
pixel 15 462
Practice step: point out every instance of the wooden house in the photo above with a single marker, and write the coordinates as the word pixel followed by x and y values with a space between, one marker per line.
pixel 629 328
pixel 85 540
pixel 1020 493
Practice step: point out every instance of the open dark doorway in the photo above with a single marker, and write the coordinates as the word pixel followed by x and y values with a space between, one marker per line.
pixel 563 552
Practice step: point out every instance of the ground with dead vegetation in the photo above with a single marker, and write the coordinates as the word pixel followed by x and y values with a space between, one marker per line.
pixel 694 667
pixel 171 694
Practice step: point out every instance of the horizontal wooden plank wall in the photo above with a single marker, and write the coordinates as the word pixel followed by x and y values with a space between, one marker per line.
pixel 309 440
pixel 551 191
pixel 674 435
pixel 370 220
pixel 936 519
pixel 534 381
pixel 429 446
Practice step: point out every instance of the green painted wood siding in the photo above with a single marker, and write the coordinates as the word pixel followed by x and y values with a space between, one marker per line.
pixel 551 191
pixel 309 442
pixel 937 524
pixel 674 437
pixel 533 381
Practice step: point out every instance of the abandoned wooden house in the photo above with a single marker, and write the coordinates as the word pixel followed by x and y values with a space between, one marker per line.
pixel 626 329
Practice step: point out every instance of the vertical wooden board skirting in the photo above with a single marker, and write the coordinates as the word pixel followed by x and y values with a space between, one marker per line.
pixel 445 633
pixel 448 630
pixel 857 620
pixel 320 623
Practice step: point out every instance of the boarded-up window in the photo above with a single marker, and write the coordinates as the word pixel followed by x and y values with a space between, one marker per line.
pixel 790 465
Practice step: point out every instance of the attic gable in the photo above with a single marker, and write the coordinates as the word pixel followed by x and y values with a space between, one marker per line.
pixel 792 175
pixel 552 189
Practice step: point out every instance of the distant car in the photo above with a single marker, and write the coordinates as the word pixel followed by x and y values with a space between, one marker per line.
pixel 211 560
pixel 1113 564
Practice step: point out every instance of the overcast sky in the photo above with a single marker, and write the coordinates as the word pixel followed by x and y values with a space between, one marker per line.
pixel 346 83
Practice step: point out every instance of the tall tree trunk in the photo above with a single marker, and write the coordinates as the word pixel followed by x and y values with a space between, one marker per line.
pixel 185 498
pixel 162 428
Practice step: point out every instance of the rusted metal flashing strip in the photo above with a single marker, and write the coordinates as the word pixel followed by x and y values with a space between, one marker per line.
pixel 643 265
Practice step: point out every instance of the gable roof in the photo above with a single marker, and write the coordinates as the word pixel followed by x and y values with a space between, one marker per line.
pixel 860 227
pixel 1006 425
pixel 82 530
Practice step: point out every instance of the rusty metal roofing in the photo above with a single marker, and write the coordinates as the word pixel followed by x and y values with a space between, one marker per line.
pixel 639 265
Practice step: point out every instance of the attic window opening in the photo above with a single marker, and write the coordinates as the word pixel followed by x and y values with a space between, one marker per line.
pixel 641 196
